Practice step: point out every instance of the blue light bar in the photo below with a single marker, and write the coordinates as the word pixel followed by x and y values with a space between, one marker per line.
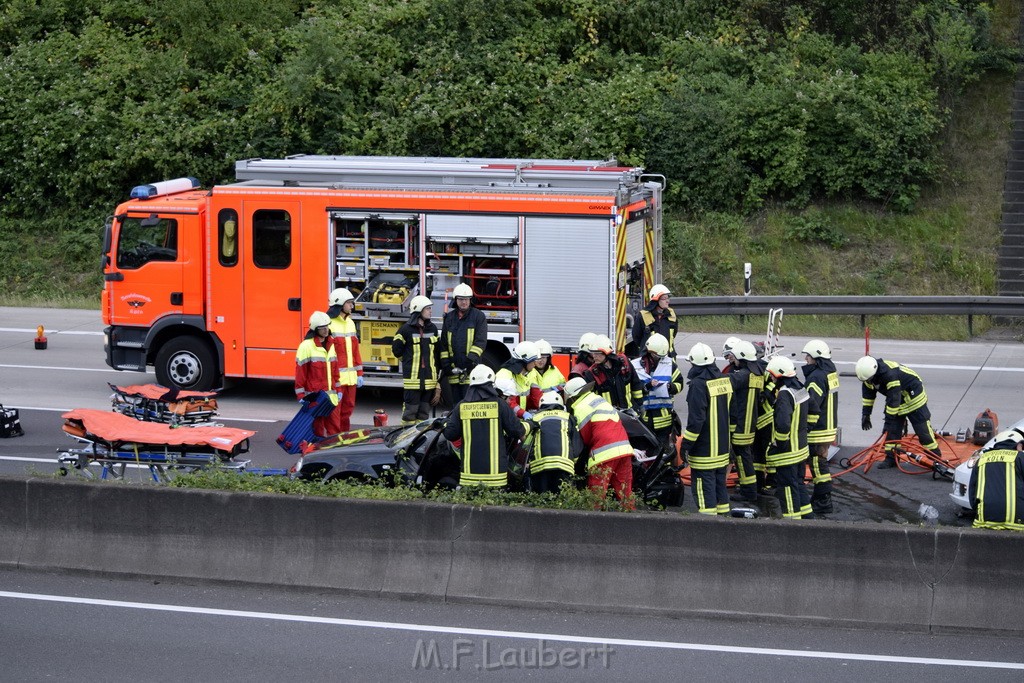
pixel 163 188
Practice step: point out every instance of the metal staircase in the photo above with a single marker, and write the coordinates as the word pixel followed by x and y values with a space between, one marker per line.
pixel 1011 250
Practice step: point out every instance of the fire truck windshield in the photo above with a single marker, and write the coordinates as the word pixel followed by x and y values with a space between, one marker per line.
pixel 142 240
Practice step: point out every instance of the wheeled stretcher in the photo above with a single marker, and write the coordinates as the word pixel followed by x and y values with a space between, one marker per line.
pixel 154 403
pixel 115 442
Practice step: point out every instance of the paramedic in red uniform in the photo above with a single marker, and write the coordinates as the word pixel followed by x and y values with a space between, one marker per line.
pixel 316 367
pixel 611 455
pixel 350 364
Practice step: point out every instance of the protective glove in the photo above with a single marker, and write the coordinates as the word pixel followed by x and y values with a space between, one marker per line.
pixel 865 421
pixel 359 381
pixel 527 415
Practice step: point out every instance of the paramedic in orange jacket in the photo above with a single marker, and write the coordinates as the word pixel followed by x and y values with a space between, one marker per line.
pixel 350 363
pixel 316 367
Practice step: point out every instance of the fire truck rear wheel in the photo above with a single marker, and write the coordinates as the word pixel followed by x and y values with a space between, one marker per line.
pixel 186 363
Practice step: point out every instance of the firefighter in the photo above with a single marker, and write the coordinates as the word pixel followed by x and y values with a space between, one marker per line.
pixel 507 390
pixel 656 317
pixel 610 463
pixel 996 490
pixel 556 445
pixel 765 417
pixel 583 359
pixel 822 382
pixel 747 377
pixel 659 375
pixel 905 399
pixel 520 368
pixel 350 364
pixel 705 443
pixel 486 425
pixel 463 338
pixel 549 377
pixel 728 355
pixel 613 376
pixel 415 344
pixel 316 368
pixel 788 450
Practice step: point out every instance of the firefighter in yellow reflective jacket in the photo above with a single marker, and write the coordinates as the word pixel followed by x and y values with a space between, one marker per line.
pixel 550 378
pixel 822 383
pixel 747 376
pixel 350 364
pixel 415 344
pixel 486 424
pixel 316 368
pixel 706 438
pixel 905 399
pixel 556 445
pixel 788 450
pixel 520 369
pixel 996 490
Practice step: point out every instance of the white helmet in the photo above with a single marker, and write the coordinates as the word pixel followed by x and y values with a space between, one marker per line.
pixel 602 344
pixel 817 349
pixel 552 398
pixel 463 290
pixel 658 291
pixel 506 385
pixel 418 303
pixel 319 319
pixel 730 344
pixel 657 344
pixel 574 386
pixel 481 374
pixel 744 350
pixel 780 366
pixel 527 351
pixel 701 354
pixel 340 296
pixel 544 348
pixel 587 341
pixel 1010 435
pixel 866 368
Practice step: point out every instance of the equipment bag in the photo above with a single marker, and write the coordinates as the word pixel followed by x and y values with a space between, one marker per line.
pixel 10 423
pixel 390 294
pixel 985 426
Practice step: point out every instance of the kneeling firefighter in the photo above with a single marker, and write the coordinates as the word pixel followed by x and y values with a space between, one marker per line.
pixel 556 445
pixel 996 490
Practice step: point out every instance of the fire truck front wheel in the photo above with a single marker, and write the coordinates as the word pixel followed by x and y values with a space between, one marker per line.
pixel 186 363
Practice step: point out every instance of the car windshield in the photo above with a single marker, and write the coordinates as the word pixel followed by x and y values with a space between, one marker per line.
pixel 403 437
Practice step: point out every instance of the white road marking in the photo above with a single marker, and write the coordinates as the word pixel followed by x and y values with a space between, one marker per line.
pixel 220 418
pixel 56 367
pixel 32 330
pixel 521 635
pixel 54 461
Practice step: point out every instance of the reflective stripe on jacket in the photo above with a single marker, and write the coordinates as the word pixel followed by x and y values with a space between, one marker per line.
pixel 707 421
pixel 556 443
pixel 789 426
pixel 600 428
pixel 346 346
pixel 416 346
pixel 745 409
pixel 996 490
pixel 315 367
pixel 462 342
pixel 903 389
pixel 483 422
pixel 822 410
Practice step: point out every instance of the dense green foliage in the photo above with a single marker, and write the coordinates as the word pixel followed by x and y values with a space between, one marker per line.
pixel 740 103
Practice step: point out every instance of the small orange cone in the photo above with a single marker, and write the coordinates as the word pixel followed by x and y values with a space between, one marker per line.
pixel 40 339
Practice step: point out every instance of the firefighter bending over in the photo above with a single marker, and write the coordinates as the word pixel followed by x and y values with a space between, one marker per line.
pixel 611 456
pixel 415 344
pixel 463 338
pixel 316 368
pixel 486 424
pixel 905 399
pixel 996 490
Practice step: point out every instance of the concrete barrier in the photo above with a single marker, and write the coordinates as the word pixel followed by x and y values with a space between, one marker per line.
pixel 848 574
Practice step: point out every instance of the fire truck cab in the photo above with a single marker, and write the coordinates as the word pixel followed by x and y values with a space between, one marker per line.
pixel 207 284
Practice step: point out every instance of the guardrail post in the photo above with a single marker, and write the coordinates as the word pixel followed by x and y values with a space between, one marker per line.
pixel 970 324
pixel 863 321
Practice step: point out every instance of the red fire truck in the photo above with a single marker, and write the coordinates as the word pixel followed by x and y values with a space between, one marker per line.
pixel 204 284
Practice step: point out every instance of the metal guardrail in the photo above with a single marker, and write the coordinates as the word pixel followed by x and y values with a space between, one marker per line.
pixel 1002 306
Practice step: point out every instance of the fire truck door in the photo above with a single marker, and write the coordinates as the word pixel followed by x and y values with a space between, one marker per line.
pixel 151 251
pixel 272 308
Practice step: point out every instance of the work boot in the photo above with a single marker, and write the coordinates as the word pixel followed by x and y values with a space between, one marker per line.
pixel 822 505
pixel 746 494
pixel 888 463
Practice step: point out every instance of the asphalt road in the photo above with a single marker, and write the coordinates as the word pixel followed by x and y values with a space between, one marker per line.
pixel 70 627
pixel 961 379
